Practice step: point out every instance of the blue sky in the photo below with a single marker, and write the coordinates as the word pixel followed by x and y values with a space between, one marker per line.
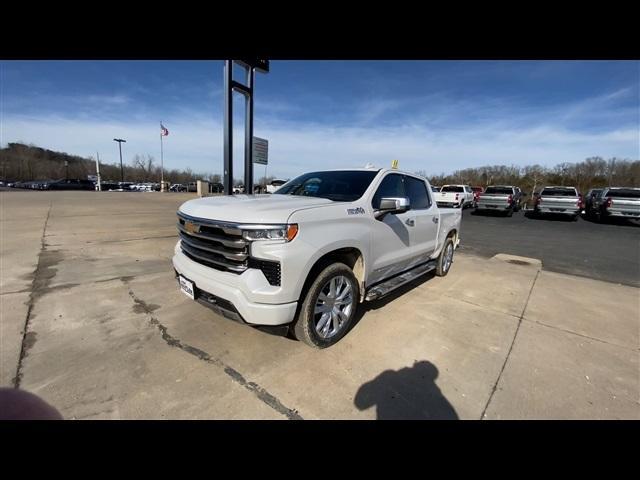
pixel 436 116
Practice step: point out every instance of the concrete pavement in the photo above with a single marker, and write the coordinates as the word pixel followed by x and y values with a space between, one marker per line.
pixel 109 335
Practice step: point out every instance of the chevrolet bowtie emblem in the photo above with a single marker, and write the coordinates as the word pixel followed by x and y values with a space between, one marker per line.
pixel 191 227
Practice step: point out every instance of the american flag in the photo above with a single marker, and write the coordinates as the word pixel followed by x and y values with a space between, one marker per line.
pixel 163 131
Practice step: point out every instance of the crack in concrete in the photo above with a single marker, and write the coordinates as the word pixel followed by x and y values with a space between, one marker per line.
pixel 262 394
pixel 28 338
pixel 513 341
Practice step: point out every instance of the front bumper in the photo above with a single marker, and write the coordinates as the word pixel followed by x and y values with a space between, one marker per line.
pixel 221 292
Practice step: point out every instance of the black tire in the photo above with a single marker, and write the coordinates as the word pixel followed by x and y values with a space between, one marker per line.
pixel 304 327
pixel 510 212
pixel 441 268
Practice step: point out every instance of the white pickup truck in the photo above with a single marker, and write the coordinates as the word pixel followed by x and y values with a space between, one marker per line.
pixel 305 257
pixel 456 196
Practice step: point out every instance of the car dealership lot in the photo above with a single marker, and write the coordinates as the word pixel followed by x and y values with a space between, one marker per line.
pixel 110 335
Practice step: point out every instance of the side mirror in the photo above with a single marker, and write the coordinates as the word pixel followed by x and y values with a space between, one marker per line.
pixel 392 205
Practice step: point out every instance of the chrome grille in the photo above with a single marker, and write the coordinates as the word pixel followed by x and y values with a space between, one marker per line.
pixel 215 244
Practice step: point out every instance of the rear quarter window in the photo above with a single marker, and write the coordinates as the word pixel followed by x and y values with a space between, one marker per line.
pixel 559 192
pixel 624 193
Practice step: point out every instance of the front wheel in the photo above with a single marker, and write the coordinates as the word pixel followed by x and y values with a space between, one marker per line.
pixel 329 307
pixel 445 259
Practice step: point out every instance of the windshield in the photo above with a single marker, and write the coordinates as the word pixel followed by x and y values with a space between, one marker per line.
pixel 499 190
pixel 448 188
pixel 339 186
pixel 559 192
pixel 624 193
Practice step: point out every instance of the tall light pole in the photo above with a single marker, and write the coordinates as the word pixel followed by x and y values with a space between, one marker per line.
pixel 120 140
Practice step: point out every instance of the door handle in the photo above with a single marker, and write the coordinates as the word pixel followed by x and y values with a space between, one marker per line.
pixel 435 219
pixel 410 221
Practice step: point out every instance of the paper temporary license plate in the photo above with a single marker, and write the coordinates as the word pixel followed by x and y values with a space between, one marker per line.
pixel 187 287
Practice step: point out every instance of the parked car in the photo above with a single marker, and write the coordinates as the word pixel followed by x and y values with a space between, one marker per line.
pixel 238 189
pixel 216 187
pixel 275 185
pixel 434 188
pixel 269 262
pixel 617 202
pixel 456 196
pixel 588 201
pixel 72 184
pixel 559 201
pixel 499 198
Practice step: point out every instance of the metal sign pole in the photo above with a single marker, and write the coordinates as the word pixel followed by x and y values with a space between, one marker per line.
pixel 247 90
pixel 248 134
pixel 98 171
pixel 228 129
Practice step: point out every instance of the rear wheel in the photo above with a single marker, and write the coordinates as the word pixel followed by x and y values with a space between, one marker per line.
pixel 445 259
pixel 329 307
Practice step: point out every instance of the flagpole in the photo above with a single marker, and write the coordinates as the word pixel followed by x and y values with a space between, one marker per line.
pixel 161 161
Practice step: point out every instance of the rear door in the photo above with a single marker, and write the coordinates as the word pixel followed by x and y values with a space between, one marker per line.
pixel 424 231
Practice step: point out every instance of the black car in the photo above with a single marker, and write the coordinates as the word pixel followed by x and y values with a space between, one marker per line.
pixel 589 201
pixel 72 184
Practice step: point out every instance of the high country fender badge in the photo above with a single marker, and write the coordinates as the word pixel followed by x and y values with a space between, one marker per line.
pixel 355 211
pixel 191 227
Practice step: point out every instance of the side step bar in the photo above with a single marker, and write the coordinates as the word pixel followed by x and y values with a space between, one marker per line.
pixel 382 289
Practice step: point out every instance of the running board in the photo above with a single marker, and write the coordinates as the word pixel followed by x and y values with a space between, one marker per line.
pixel 383 289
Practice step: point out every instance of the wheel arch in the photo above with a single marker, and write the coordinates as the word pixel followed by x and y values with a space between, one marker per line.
pixel 350 256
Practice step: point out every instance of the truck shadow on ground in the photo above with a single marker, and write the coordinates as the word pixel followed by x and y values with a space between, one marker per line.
pixel 406 394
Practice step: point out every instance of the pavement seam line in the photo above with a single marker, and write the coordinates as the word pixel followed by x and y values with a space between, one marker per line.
pixel 495 385
pixel 262 394
pixel 32 297
pixel 581 335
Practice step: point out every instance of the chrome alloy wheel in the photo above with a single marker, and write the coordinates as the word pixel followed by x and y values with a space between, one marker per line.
pixel 448 258
pixel 333 306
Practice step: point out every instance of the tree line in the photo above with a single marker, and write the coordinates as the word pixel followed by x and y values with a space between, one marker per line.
pixel 593 172
pixel 20 162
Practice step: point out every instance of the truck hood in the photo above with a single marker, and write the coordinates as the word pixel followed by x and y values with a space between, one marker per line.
pixel 250 208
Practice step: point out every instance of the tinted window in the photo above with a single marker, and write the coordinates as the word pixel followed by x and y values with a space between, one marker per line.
pixel 559 192
pixel 341 186
pixel 391 186
pixel 499 190
pixel 624 193
pixel 417 193
pixel 449 188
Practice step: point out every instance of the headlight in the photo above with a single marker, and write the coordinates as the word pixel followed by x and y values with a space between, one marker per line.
pixel 271 232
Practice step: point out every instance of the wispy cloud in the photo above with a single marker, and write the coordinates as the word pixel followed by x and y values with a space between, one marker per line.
pixel 195 141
